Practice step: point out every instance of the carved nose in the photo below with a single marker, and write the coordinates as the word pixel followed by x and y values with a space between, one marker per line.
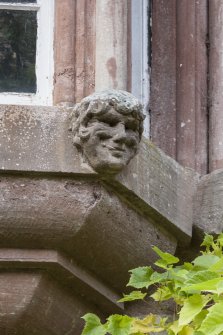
pixel 120 133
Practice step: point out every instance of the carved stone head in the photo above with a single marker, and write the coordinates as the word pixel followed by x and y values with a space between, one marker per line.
pixel 107 128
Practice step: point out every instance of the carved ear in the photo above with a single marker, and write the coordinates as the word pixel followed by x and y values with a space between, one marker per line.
pixel 84 133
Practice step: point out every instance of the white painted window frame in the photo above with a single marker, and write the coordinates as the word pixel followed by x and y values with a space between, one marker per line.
pixel 44 56
pixel 140 57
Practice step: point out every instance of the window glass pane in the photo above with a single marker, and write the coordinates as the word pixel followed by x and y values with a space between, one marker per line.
pixel 18 30
pixel 17 1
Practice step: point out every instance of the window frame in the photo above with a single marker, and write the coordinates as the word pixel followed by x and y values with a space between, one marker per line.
pixel 44 55
pixel 140 45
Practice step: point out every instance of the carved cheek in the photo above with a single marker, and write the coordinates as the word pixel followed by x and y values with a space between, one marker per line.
pixel 132 140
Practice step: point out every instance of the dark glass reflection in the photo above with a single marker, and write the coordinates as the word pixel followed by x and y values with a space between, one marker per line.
pixel 18 31
pixel 18 1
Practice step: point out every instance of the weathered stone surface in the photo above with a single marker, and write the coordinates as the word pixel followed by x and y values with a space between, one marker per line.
pixel 208 205
pixel 32 303
pixel 64 270
pixel 215 85
pixel 36 139
pixel 74 56
pixel 166 186
pixel 83 220
pixel 111 65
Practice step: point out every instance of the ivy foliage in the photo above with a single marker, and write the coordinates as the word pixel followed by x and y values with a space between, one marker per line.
pixel 196 288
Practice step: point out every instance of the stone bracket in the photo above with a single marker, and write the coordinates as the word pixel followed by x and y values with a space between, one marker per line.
pixel 64 270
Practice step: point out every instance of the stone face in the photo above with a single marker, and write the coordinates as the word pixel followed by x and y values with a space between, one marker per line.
pixel 107 128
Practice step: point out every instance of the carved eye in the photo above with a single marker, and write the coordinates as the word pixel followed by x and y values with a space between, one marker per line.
pixel 131 126
pixel 112 123
pixel 109 120
pixel 103 135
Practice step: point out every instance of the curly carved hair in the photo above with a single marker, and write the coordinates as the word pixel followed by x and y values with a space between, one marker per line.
pixel 100 103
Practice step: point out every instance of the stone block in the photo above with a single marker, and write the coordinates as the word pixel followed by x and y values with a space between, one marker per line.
pixel 82 219
pixel 208 205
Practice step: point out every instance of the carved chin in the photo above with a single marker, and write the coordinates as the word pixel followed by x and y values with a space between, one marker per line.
pixel 112 165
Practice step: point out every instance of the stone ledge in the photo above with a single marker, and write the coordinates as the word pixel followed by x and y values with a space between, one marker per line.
pixel 37 140
pixel 82 219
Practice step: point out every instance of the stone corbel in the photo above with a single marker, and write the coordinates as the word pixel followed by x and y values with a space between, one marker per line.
pixel 74 230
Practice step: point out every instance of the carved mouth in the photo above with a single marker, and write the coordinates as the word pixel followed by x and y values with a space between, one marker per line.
pixel 116 151
pixel 117 154
pixel 120 149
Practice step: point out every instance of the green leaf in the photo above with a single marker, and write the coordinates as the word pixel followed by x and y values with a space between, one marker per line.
pixel 220 239
pixel 151 323
pixel 119 324
pixel 208 241
pixel 186 330
pixel 220 287
pixel 161 294
pixel 206 261
pixel 198 319
pixel 166 258
pixel 206 286
pixel 175 327
pixel 201 276
pixel 157 277
pixel 188 266
pixel 218 266
pixel 192 306
pixel 216 298
pixel 212 324
pixel 170 259
pixel 93 325
pixel 140 277
pixel 134 295
pixel 178 275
